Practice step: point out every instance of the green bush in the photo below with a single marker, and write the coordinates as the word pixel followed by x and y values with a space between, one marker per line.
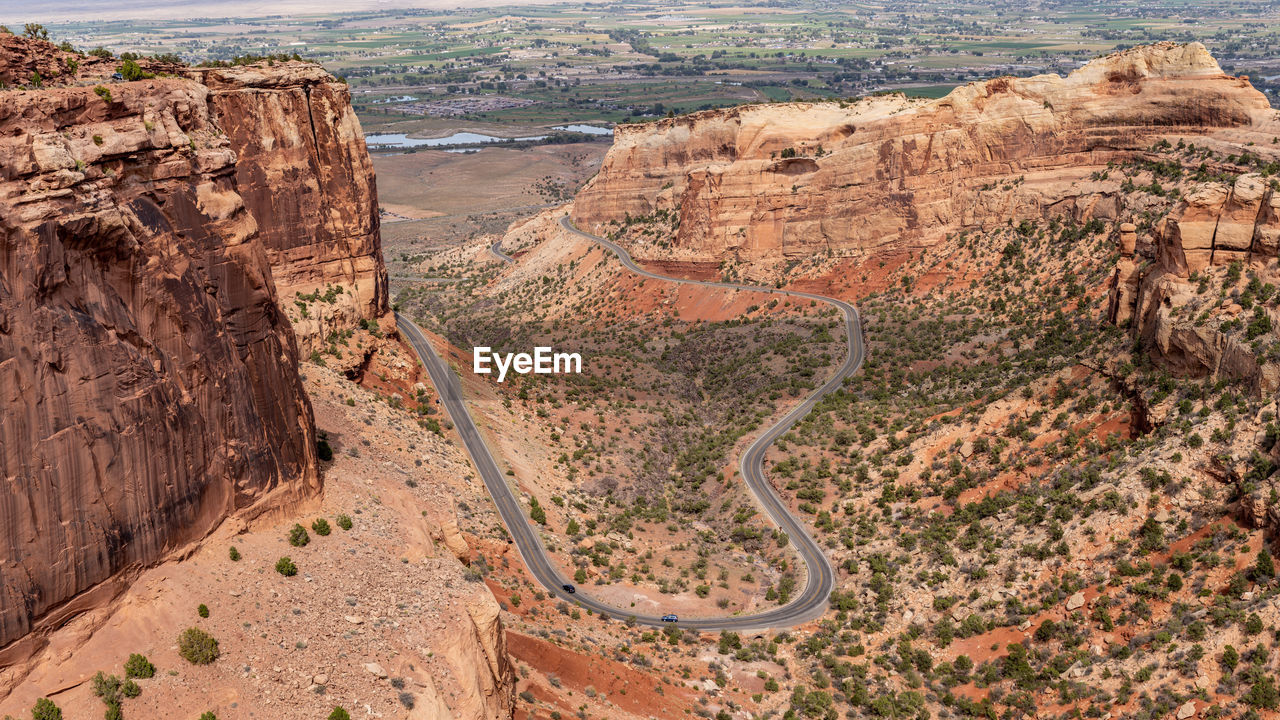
pixel 1263 694
pixel 107 687
pixel 285 567
pixel 344 522
pixel 133 71
pixel 339 713
pixel 208 716
pixel 321 527
pixel 202 610
pixel 323 450
pixel 44 709
pixel 197 646
pixel 105 93
pixel 130 689
pixel 298 536
pixel 235 554
pixel 138 666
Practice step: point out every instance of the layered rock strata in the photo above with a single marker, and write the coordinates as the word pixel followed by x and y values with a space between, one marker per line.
pixel 768 182
pixel 150 234
pixel 304 172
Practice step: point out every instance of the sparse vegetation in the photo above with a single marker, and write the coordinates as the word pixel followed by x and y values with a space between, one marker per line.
pixel 138 666
pixel 197 646
pixel 45 709
pixel 298 536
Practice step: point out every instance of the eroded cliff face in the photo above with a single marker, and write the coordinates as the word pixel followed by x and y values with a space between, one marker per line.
pixel 149 378
pixel 304 172
pixel 150 234
pixel 767 183
pixel 1217 231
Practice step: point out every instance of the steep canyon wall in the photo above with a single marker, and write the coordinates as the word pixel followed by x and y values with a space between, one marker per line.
pixel 855 179
pixel 150 234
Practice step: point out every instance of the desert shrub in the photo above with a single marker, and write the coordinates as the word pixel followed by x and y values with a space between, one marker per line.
pixel 208 715
pixel 1263 694
pixel 138 666
pixel 105 93
pixel 1253 625
pixel 339 713
pixel 1230 658
pixel 130 689
pixel 323 450
pixel 197 646
pixel 132 71
pixel 344 522
pixel 234 554
pixel 107 687
pixel 44 709
pixel 321 527
pixel 285 567
pixel 298 536
pixel 203 610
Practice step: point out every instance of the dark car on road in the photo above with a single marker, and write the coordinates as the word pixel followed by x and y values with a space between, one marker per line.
pixel 670 618
pixel 569 589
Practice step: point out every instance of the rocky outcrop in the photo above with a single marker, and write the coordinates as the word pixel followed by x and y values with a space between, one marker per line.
pixel 147 369
pixel 1215 225
pixel 483 666
pixel 27 62
pixel 888 174
pixel 303 165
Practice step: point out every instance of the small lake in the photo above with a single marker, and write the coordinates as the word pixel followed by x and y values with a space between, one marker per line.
pixel 587 129
pixel 400 140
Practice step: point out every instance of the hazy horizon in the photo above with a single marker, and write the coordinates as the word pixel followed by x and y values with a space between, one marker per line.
pixel 80 10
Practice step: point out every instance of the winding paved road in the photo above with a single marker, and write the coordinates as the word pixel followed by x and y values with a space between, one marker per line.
pixel 808 604
pixel 496 249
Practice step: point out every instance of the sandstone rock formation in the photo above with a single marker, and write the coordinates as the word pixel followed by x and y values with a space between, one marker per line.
pixel 1214 226
pixel 769 182
pixel 24 62
pixel 148 372
pixel 304 172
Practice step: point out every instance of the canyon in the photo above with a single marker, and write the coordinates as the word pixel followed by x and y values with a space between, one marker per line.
pixel 193 302
pixel 819 195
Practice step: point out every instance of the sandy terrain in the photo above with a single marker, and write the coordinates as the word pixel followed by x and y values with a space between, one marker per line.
pixel 488 180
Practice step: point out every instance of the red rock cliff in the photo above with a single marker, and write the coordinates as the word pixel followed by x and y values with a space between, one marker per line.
pixel 768 182
pixel 149 234
pixel 304 172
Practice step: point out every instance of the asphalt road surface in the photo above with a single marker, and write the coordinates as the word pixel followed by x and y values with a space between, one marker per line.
pixel 809 603
pixel 496 249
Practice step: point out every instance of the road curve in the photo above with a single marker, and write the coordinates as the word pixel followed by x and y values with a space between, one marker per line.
pixel 496 249
pixel 810 603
